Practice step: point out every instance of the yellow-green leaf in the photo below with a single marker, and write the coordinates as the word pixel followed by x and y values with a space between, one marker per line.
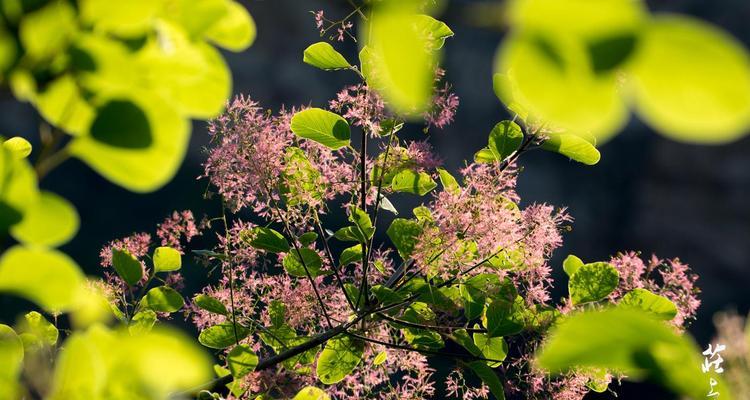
pixel 235 31
pixel 18 146
pixel 324 127
pixel 692 81
pixel 322 55
pixel 167 259
pixel 47 277
pixel 49 221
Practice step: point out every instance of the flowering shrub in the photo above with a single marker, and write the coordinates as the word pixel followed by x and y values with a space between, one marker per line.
pixel 323 282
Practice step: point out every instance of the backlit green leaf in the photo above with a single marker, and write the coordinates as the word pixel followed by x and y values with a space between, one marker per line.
pixel 404 233
pixel 167 259
pixel 593 282
pixel 641 299
pixel 300 263
pixel 322 55
pixel 489 377
pixel 36 326
pixel 47 277
pixel 143 321
pixel 505 138
pixel 572 146
pixel 127 266
pixel 350 255
pixel 338 359
pixel 210 304
pixel 164 299
pixel 222 335
pixel 311 393
pixel 50 221
pixel 679 60
pixel 408 181
pixel 571 264
pixel 324 127
pixel 11 358
pixel 266 239
pixel 492 348
pixel 241 360
pixel 18 146
pixel 235 31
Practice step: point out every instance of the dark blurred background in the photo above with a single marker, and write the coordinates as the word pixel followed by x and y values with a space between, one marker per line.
pixel 648 193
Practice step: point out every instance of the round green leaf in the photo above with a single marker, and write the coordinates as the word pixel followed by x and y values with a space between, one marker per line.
pixel 295 262
pixel 571 264
pixel 266 239
pixel 235 31
pixel 311 393
pixel 50 221
pixel 492 348
pixel 404 234
pixel 692 81
pixel 143 321
pixel 141 169
pixel 47 31
pixel 242 361
pixel 338 359
pixel 572 146
pixel 127 266
pixel 18 146
pixel 593 282
pixel 210 304
pixel 408 181
pixel 551 78
pixel 505 138
pixel 47 277
pixel 167 259
pixel 164 299
pixel 652 303
pixel 504 318
pixel 222 335
pixel 324 127
pixel 322 55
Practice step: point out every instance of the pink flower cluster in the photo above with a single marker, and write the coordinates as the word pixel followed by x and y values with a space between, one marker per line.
pixel 254 163
pixel 669 278
pixel 176 229
pixel 361 105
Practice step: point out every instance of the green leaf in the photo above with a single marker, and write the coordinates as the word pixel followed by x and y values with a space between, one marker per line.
pixel 296 261
pixel 311 393
pixel 386 295
pixel 49 221
pixel 35 325
pixel 266 239
pixel 380 358
pixel 434 29
pixel 308 238
pixel 324 127
pixel 277 313
pixel 348 234
pixel 503 318
pixel 362 221
pixel 127 266
pixel 492 348
pixel 140 169
pixel 62 104
pixel 242 361
pixel 11 358
pixel 489 377
pixel 571 264
pixel 423 338
pixel 235 31
pixel 461 336
pixel 478 288
pixel 404 233
pixel 593 282
pixel 18 146
pixel 485 156
pixel 400 57
pixel 654 304
pixel 322 55
pixel 167 259
pixel 164 299
pixel 680 59
pixel 450 184
pixel 184 68
pixel 419 183
pixel 222 335
pixel 572 146
pixel 505 138
pixel 629 341
pixel 338 359
pixel 47 277
pixel 350 255
pixel 47 31
pixel 143 321
pixel 210 304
